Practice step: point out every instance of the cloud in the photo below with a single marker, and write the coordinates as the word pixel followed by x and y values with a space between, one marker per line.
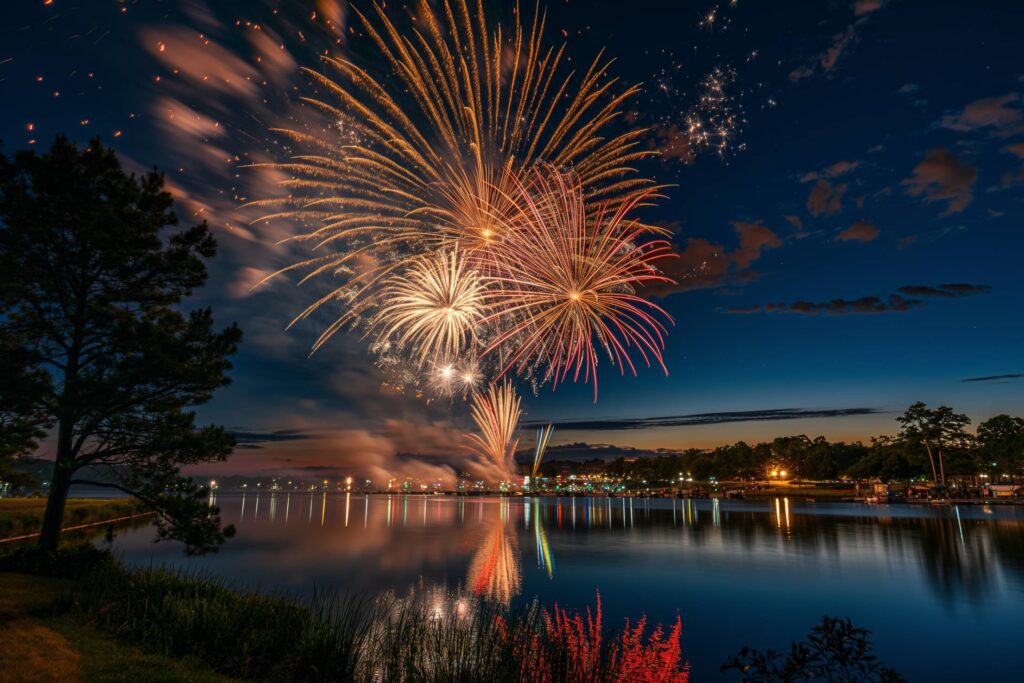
pixel 837 169
pixel 826 199
pixel 949 291
pixel 826 61
pixel 861 231
pixel 863 305
pixel 796 222
pixel 194 58
pixel 941 176
pixel 401 447
pixel 1017 149
pixel 672 142
pixel 995 378
pixel 994 113
pixel 862 7
pixel 245 281
pixel 581 450
pixel 704 265
pixel 894 303
pixel 695 419
pixel 754 239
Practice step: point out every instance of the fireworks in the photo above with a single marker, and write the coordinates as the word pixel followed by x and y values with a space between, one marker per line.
pixel 543 438
pixel 471 212
pixel 427 156
pixel 714 121
pixel 434 309
pixel 567 283
pixel 459 378
pixel 496 413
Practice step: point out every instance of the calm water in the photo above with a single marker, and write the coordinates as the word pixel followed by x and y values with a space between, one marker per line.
pixel 941 588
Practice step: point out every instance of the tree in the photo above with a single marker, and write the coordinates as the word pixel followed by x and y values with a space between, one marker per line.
pixel 886 459
pixel 90 287
pixel 835 650
pixel 937 430
pixel 23 421
pixel 1001 445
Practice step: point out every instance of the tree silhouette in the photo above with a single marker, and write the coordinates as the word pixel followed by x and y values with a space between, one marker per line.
pixel 937 430
pixel 92 273
pixel 1001 445
pixel 23 421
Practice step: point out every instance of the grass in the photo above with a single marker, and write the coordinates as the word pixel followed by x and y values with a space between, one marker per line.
pixel 19 516
pixel 110 623
pixel 430 636
pixel 39 644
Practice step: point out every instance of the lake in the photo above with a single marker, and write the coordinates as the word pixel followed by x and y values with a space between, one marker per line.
pixel 940 587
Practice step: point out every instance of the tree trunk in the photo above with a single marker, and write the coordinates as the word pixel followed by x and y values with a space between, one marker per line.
pixel 53 518
pixel 931 459
pixel 942 469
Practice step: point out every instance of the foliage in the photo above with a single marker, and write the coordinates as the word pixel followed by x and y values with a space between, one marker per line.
pixel 1001 445
pixel 835 650
pixel 23 421
pixel 997 449
pixel 340 637
pixel 90 284
pixel 67 563
pixel 938 431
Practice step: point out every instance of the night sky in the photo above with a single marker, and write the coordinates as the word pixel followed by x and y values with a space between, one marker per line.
pixel 854 246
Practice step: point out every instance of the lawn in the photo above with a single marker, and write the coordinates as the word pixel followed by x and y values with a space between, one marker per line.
pixel 38 645
pixel 20 516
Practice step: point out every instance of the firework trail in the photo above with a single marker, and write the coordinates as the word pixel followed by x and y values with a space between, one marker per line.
pixel 567 282
pixel 496 413
pixel 543 438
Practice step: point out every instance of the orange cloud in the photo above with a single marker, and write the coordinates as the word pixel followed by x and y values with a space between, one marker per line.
pixel 941 176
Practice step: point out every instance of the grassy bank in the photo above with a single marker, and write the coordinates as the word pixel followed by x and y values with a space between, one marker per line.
pixel 432 636
pixel 39 644
pixel 20 516
pixel 103 622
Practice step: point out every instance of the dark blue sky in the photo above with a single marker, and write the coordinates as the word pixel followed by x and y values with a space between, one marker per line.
pixel 881 161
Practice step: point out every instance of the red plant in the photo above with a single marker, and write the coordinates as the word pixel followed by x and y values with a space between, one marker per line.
pixel 580 641
pixel 657 661
pixel 631 657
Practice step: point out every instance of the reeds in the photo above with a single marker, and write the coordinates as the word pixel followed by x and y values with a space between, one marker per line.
pixel 425 637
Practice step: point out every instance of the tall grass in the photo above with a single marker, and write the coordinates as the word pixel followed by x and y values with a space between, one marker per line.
pixel 20 516
pixel 426 637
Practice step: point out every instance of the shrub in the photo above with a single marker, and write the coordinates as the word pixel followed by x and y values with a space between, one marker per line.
pixel 835 650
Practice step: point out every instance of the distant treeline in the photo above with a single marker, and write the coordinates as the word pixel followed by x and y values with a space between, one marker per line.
pixel 932 443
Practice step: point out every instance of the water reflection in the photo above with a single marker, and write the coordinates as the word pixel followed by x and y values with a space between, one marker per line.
pixel 494 572
pixel 923 578
pixel 960 553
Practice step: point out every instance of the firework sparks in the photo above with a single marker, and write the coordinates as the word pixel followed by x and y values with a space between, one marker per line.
pixel 496 413
pixel 567 285
pixel 715 120
pixel 434 309
pixel 429 150
pixel 459 378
